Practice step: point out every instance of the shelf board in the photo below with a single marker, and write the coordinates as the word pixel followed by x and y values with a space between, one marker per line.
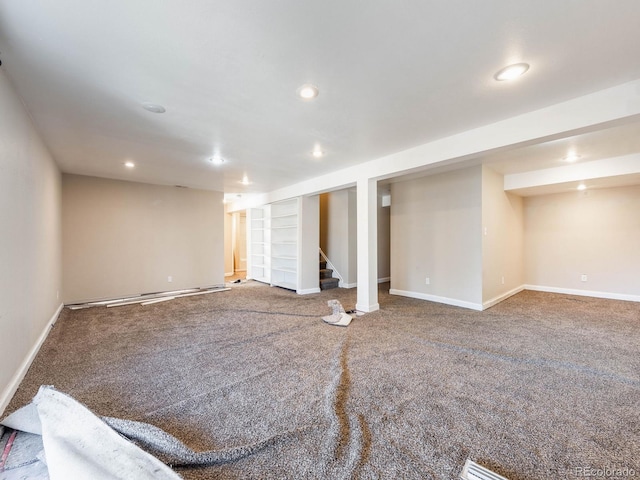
pixel 285 242
pixel 284 269
pixel 284 257
pixel 285 215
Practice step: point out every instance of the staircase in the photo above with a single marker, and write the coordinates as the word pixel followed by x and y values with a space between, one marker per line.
pixel 326 280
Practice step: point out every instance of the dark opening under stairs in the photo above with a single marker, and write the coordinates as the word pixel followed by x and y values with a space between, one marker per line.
pixel 326 280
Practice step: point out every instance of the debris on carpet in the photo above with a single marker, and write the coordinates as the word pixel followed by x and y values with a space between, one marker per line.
pixel 338 316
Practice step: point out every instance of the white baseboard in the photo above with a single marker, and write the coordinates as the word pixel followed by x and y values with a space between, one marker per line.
pixel 355 284
pixel 11 389
pixel 368 308
pixel 307 291
pixel 584 293
pixel 434 298
pixel 500 298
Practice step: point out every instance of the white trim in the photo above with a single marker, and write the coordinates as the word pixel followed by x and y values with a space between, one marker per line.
pixel 13 385
pixel 307 291
pixel 157 300
pixel 347 285
pixel 500 298
pixel 584 293
pixel 434 298
pixel 368 308
pixel 384 279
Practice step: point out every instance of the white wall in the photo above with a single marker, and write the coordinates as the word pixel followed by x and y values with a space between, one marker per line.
pixel 436 233
pixel 351 278
pixel 125 238
pixel 30 248
pixel 502 239
pixel 594 233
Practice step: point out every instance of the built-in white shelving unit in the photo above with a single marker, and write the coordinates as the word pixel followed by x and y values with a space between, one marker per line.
pixel 283 243
pixel 259 244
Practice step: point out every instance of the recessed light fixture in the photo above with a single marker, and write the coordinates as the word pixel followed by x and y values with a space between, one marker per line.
pixel 571 157
pixel 308 91
pixel 154 107
pixel 317 152
pixel 129 164
pixel 217 160
pixel 582 186
pixel 245 180
pixel 511 72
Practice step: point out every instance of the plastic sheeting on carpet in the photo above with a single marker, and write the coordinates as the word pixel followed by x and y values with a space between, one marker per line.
pixel 77 444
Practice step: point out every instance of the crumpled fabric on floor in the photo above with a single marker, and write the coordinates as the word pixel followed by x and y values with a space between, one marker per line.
pixel 77 444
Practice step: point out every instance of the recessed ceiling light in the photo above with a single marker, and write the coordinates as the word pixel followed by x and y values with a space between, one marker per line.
pixel 217 160
pixel 582 186
pixel 511 72
pixel 317 152
pixel 571 157
pixel 245 180
pixel 129 164
pixel 308 91
pixel 154 107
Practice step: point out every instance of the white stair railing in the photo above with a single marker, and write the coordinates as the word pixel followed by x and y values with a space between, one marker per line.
pixel 330 265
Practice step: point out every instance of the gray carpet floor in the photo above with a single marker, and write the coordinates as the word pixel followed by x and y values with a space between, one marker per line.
pixel 541 386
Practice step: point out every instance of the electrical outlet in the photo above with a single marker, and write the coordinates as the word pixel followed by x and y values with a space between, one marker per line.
pixel 583 278
pixel 427 281
pixel 169 279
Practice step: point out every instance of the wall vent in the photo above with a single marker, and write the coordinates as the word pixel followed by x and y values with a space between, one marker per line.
pixel 473 471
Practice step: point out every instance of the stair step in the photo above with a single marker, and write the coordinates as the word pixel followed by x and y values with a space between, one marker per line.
pixel 323 265
pixel 326 273
pixel 328 283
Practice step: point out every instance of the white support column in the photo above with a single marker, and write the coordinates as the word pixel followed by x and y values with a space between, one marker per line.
pixel 367 208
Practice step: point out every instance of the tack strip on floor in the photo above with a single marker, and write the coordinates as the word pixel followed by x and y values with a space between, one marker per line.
pixel 147 299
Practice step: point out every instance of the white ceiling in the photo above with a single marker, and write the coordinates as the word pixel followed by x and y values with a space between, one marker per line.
pixel 392 75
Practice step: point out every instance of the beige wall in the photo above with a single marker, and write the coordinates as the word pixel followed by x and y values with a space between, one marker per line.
pixel 338 237
pixel 125 238
pixel 309 242
pixel 30 248
pixel 502 239
pixel 384 239
pixel 436 233
pixel 228 243
pixel 594 233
